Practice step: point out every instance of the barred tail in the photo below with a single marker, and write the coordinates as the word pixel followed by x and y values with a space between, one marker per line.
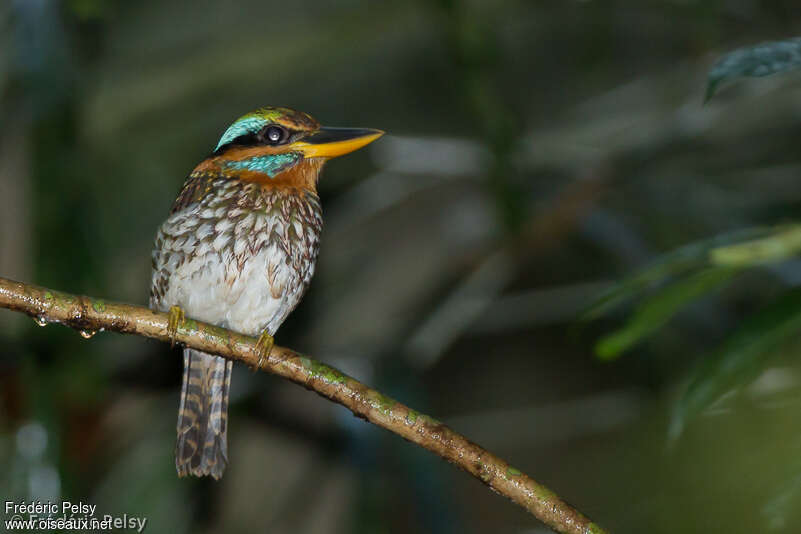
pixel 202 447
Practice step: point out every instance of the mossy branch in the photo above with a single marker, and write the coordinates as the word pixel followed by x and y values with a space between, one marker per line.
pixel 92 314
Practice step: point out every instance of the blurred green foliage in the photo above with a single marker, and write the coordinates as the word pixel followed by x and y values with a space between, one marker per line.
pixel 762 60
pixel 696 270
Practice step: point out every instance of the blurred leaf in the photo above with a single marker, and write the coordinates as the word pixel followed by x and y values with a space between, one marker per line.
pixel 784 243
pixel 667 266
pixel 761 60
pixel 659 308
pixel 785 503
pixel 680 261
pixel 740 358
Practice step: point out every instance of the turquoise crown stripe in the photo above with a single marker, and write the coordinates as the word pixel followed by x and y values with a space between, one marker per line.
pixel 243 126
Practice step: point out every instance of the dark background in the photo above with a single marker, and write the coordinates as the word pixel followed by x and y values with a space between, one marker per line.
pixel 536 153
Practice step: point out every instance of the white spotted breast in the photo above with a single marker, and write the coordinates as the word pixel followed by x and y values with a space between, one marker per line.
pixel 240 257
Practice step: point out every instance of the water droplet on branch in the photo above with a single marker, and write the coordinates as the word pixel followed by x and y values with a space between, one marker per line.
pixel 87 334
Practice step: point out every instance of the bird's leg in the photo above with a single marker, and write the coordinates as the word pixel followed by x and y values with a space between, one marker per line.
pixel 264 345
pixel 176 318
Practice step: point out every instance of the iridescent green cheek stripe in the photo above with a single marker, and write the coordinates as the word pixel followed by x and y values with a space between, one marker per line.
pixel 269 165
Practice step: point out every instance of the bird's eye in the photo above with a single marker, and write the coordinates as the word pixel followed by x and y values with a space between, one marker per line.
pixel 275 135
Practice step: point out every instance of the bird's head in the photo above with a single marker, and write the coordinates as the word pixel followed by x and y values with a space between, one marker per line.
pixel 281 146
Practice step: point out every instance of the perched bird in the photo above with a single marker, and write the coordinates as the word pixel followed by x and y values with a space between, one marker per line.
pixel 238 250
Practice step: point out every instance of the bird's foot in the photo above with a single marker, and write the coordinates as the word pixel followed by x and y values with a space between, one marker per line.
pixel 176 318
pixel 264 345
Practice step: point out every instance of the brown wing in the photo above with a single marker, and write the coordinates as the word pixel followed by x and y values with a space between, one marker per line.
pixel 164 263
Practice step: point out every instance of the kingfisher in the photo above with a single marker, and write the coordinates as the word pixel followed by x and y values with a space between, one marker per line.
pixel 238 250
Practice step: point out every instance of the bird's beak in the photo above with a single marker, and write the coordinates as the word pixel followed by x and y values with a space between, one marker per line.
pixel 333 142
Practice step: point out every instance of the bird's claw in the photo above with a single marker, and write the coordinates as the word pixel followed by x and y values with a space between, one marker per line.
pixel 176 318
pixel 264 345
